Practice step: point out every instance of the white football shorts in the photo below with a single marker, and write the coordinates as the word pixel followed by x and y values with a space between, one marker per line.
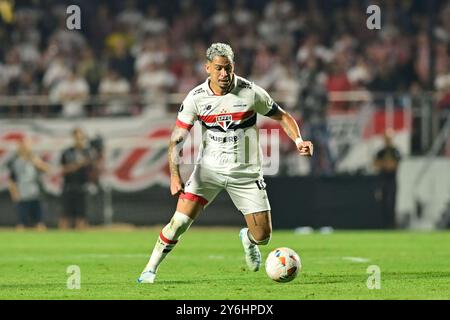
pixel 247 191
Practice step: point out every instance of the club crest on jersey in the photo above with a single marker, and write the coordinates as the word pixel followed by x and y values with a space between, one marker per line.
pixel 224 121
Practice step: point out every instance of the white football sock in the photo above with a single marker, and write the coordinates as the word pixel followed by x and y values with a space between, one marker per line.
pixel 249 240
pixel 167 239
pixel 246 237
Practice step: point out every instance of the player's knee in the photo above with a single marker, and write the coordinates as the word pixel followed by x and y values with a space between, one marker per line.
pixel 177 225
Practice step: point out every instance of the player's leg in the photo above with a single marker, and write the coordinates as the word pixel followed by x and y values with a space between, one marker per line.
pixel 80 209
pixel 184 216
pixel 250 197
pixel 259 227
pixel 258 232
pixel 38 215
pixel 67 204
pixel 22 215
pixel 200 190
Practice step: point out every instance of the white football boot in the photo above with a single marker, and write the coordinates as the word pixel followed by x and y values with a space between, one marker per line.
pixel 252 253
pixel 147 277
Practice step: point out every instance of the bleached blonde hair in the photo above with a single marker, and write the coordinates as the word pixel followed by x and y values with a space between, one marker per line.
pixel 220 49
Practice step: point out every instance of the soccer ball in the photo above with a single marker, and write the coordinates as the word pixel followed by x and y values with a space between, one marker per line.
pixel 283 265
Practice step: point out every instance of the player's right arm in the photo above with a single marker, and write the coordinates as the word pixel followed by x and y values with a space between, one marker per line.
pixel 13 191
pixel 69 167
pixel 12 186
pixel 265 105
pixel 176 143
pixel 187 115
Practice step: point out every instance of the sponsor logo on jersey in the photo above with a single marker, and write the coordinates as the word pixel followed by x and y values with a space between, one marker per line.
pixel 245 85
pixel 198 91
pixel 231 139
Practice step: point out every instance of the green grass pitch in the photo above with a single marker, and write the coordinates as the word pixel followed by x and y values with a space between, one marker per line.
pixel 208 263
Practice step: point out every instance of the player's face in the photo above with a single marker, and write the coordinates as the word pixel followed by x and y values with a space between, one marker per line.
pixel 25 147
pixel 79 138
pixel 221 71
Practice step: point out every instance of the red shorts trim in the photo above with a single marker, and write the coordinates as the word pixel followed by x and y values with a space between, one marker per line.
pixel 194 197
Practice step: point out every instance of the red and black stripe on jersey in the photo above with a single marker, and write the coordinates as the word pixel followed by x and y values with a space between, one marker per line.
pixel 248 119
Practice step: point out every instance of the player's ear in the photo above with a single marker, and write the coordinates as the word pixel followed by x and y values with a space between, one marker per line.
pixel 207 67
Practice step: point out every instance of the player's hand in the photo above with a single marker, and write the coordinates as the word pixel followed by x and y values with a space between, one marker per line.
pixel 305 148
pixel 176 186
pixel 83 162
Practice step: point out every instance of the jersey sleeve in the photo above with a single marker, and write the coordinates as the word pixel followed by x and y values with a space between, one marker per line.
pixel 187 115
pixel 264 103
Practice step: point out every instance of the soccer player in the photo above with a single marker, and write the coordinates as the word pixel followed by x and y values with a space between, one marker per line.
pixel 24 184
pixel 76 162
pixel 226 105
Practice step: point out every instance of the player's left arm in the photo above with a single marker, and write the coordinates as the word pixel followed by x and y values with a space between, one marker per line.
pixel 40 164
pixel 291 128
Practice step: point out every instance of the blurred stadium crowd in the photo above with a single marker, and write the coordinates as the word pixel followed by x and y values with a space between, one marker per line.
pixel 301 49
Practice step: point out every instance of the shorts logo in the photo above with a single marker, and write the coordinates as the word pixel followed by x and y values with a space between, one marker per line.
pixel 261 184
pixel 181 108
pixel 224 121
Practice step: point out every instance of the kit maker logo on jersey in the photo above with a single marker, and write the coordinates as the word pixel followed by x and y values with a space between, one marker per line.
pixel 224 121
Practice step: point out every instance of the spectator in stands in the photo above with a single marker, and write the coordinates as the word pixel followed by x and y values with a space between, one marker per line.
pixel 121 59
pixel 337 81
pixel 76 164
pixel 113 89
pixel 313 104
pixel 72 93
pixel 386 163
pixel 24 185
pixel 155 82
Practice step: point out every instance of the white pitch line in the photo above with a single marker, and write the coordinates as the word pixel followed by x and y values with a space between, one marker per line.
pixel 216 257
pixel 356 259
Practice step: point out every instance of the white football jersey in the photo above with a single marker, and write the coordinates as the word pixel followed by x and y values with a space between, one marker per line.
pixel 230 139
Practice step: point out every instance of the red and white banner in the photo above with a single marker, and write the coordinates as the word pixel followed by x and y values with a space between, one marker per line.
pixel 136 147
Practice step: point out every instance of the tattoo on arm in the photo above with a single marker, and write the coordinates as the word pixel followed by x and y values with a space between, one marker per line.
pixel 176 143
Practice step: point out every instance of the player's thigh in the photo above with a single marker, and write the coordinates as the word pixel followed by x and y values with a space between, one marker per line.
pixel 248 194
pixel 259 224
pixel 250 197
pixel 189 207
pixel 69 204
pixel 201 189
